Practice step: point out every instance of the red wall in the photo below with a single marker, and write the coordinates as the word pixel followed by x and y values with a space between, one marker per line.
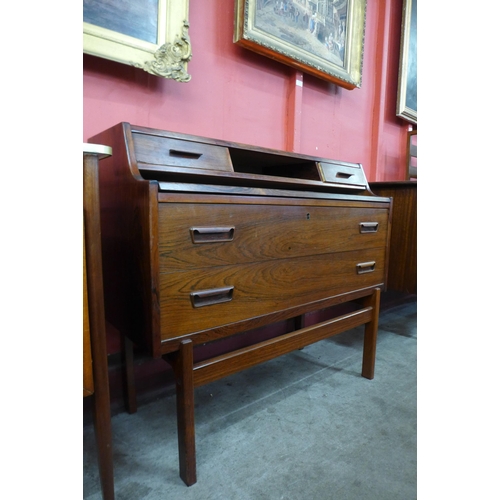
pixel 240 96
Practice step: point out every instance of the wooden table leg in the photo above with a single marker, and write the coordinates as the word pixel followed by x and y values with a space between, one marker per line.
pixel 299 322
pixel 370 340
pixel 127 349
pixel 93 255
pixel 183 367
pixel 103 434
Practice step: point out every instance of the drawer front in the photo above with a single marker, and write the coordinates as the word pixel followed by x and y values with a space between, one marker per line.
pixel 200 299
pixel 201 235
pixel 343 174
pixel 159 150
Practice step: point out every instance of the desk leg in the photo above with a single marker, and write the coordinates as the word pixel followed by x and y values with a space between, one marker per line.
pixel 299 322
pixel 183 368
pixel 127 349
pixel 370 340
pixel 102 429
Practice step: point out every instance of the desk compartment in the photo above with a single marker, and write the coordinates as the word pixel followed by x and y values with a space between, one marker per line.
pixel 255 289
pixel 203 235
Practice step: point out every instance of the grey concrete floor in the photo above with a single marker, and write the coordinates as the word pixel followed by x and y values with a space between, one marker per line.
pixel 305 426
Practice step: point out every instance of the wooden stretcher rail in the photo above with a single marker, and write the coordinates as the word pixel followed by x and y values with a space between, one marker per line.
pixel 189 375
pixel 235 361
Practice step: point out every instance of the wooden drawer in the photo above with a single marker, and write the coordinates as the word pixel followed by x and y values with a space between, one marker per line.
pixel 342 174
pixel 160 150
pixel 202 235
pixel 199 299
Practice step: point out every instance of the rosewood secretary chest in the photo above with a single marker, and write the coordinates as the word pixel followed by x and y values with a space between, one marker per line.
pixel 204 239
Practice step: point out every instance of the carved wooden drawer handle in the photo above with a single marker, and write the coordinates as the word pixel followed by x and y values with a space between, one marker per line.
pixel 365 267
pixel 211 234
pixel 368 227
pixel 343 175
pixel 210 297
pixel 176 153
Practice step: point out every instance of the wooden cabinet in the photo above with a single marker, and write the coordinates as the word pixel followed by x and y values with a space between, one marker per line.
pixel 402 271
pixel 204 239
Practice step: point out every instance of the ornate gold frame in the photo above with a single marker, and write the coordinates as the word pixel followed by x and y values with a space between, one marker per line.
pixel 168 58
pixel 347 74
pixel 407 82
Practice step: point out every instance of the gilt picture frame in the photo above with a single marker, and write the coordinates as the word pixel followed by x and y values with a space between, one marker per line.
pixel 147 34
pixel 407 81
pixel 324 38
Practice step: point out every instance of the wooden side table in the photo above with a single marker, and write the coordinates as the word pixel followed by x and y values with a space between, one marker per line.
pixel 95 362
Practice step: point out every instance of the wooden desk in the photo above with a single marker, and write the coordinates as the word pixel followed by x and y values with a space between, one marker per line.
pixel 402 275
pixel 95 364
pixel 204 239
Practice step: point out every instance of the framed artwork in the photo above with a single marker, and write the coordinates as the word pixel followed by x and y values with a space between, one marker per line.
pixel 147 34
pixel 322 37
pixel 407 83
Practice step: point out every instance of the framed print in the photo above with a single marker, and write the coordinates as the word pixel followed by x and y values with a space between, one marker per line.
pixel 407 83
pixel 322 37
pixel 147 34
